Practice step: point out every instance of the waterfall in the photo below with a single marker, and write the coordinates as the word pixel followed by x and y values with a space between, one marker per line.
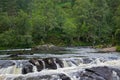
pixel 34 69
pixel 65 63
pixel 43 64
pixel 56 63
pixel 115 76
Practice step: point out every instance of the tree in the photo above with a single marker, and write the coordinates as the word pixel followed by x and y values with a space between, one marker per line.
pixel 117 18
pixel 22 24
pixel 5 22
pixel 8 6
pixel 69 28
pixel 117 36
pixel 82 13
pixel 45 19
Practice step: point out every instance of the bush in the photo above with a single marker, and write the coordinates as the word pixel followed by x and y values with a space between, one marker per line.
pixel 10 40
pixel 117 36
pixel 118 48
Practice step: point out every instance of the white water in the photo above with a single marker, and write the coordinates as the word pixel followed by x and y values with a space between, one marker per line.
pixel 72 63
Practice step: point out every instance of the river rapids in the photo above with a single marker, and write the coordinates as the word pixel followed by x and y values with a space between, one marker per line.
pixel 75 64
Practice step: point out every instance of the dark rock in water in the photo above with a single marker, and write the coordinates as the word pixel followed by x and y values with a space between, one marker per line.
pixel 19 78
pixel 97 73
pixel 47 47
pixel 38 63
pixel 59 62
pixel 87 60
pixel 47 63
pixel 64 77
pixel 13 55
pixel 101 71
pixel 27 68
pixel 33 61
pixel 6 63
pixel 117 71
pixel 40 66
pixel 44 77
pixel 51 63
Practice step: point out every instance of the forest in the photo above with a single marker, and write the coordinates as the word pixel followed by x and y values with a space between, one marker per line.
pixel 26 23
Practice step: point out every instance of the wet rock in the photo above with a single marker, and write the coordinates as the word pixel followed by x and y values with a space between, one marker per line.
pixel 38 63
pixel 39 77
pixel 27 68
pixel 101 71
pixel 47 47
pixel 97 73
pixel 59 62
pixel 64 77
pixel 13 55
pixel 87 60
pixel 117 71
pixel 18 78
pixel 44 77
pixel 52 63
pixel 6 63
pixel 47 63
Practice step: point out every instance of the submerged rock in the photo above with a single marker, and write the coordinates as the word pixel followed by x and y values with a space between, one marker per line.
pixel 6 63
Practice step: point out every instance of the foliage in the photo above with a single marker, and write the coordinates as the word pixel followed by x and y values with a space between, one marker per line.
pixel 117 36
pixel 25 23
pixel 118 48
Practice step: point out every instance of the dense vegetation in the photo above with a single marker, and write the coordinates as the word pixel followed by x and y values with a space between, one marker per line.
pixel 25 23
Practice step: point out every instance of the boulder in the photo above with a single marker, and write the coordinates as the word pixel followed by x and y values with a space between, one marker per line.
pixel 53 63
pixel 87 60
pixel 100 73
pixel 47 63
pixel 38 63
pixel 27 68
pixel 44 77
pixel 6 63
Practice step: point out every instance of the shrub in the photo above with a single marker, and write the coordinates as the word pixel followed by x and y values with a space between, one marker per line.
pixel 118 48
pixel 117 36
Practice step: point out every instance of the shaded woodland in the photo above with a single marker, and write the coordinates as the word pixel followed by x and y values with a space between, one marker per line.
pixel 26 23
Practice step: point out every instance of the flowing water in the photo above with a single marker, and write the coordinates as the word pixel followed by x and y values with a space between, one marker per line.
pixel 75 60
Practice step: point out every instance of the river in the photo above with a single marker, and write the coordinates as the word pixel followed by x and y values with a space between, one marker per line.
pixel 77 64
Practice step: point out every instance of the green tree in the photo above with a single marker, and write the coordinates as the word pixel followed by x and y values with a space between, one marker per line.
pixel 45 19
pixel 69 28
pixel 22 23
pixel 8 6
pixel 5 22
pixel 117 36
